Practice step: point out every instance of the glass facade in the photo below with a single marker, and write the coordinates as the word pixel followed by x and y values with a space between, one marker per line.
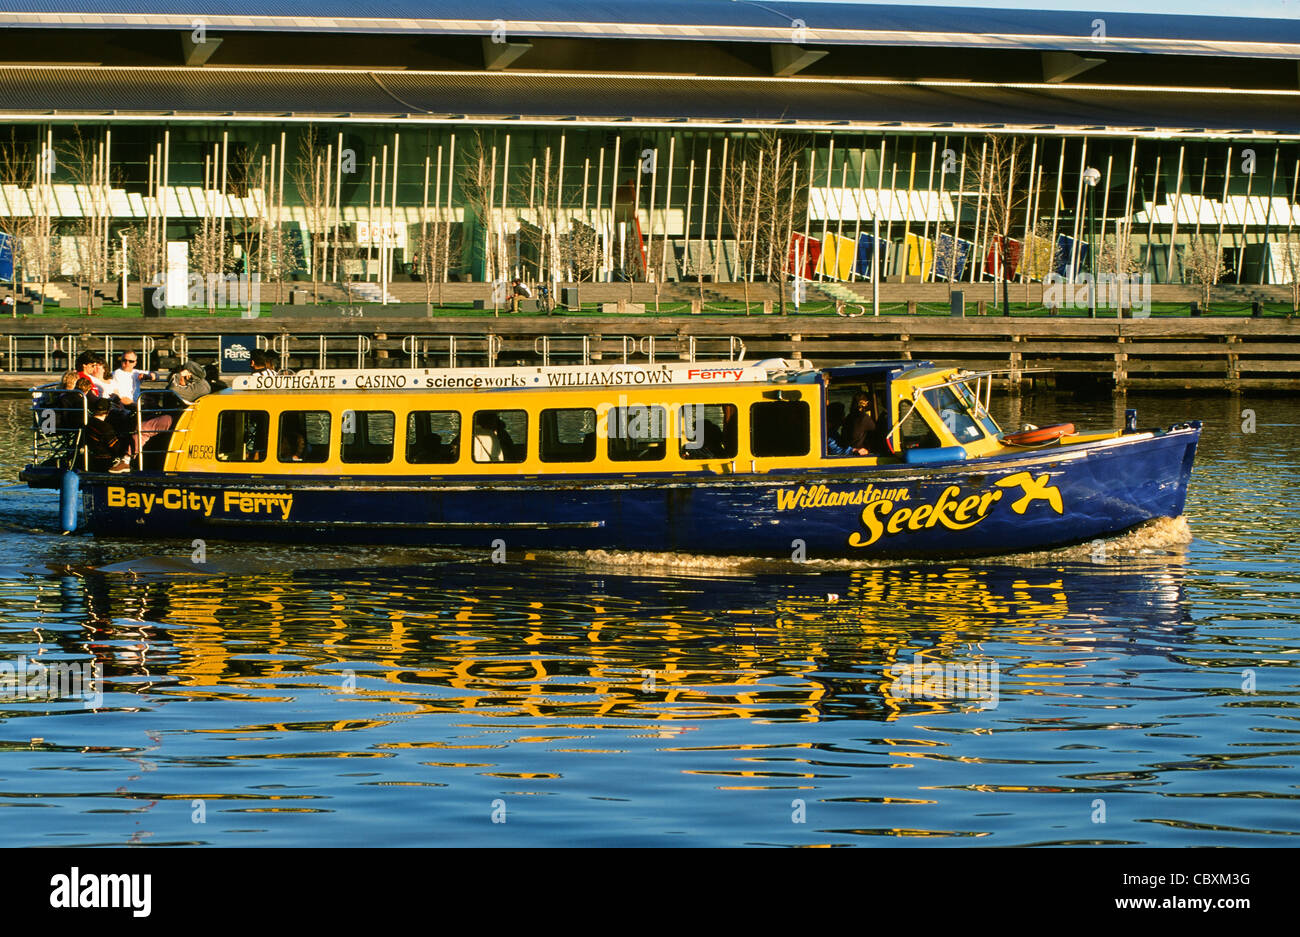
pixel 340 203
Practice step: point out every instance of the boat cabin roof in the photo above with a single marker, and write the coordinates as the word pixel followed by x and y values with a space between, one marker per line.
pixel 558 377
pixel 867 369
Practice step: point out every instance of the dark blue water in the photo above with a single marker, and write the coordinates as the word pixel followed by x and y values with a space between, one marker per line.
pixel 1146 692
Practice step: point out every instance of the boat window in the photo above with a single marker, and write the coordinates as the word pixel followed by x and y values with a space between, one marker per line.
pixel 367 436
pixel 500 435
pixel 432 437
pixel 913 428
pixel 568 435
pixel 304 436
pixel 778 428
pixel 708 431
pixel 976 406
pixel 241 435
pixel 952 410
pixel 637 433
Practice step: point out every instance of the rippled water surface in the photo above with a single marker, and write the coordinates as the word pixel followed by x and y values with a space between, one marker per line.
pixel 1145 694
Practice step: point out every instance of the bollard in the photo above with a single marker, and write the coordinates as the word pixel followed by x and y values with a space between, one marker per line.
pixel 958 304
pixel 1196 308
pixel 1256 309
pixel 69 495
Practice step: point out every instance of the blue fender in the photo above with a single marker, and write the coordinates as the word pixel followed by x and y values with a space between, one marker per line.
pixel 69 498
pixel 941 454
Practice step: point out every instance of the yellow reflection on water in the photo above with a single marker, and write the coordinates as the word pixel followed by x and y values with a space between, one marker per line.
pixel 528 642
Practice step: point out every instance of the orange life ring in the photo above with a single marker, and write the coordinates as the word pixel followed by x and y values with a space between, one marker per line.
pixel 1036 437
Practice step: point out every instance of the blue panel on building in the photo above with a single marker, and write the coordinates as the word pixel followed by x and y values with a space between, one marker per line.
pixel 950 257
pixel 1067 250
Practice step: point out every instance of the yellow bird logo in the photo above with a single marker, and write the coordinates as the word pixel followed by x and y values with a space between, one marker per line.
pixel 1035 489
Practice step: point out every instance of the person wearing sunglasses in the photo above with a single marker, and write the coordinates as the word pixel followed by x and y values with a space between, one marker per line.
pixel 126 379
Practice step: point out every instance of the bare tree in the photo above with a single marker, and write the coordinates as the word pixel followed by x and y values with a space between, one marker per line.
pixel 476 183
pixel 1289 247
pixel 578 250
pixel 311 178
pixel 246 178
pixel 143 253
pixel 28 243
pixel 999 167
pixel 84 160
pixel 762 221
pixel 210 252
pixel 1203 258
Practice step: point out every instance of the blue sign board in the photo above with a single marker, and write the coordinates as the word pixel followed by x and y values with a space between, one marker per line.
pixel 237 353
pixel 6 257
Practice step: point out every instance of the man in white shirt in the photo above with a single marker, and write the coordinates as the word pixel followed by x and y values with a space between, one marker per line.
pixel 126 379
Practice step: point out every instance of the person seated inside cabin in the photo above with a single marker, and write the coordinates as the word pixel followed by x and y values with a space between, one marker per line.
pixel 490 437
pixel 718 442
pixel 834 426
pixel 109 450
pixel 293 447
pixel 858 431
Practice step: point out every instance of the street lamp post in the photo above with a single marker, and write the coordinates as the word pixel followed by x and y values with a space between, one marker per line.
pixel 1092 176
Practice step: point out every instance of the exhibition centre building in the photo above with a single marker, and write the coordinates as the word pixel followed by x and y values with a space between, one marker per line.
pixel 561 141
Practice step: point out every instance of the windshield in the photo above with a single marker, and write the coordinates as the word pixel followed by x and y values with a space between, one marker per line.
pixel 976 406
pixel 955 413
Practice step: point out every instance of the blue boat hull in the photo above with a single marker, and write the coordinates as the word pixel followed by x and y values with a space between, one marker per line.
pixel 982 507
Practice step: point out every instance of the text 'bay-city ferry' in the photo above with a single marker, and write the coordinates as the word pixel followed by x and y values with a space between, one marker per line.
pixel 720 457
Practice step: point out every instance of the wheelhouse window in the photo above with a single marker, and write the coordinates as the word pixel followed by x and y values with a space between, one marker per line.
pixel 637 433
pixel 914 431
pixel 304 436
pixel 500 435
pixel 433 437
pixel 778 428
pixel 367 436
pixel 241 435
pixel 568 435
pixel 954 413
pixel 708 431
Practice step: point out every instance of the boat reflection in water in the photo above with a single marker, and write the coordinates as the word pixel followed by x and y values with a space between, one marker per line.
pixel 362 640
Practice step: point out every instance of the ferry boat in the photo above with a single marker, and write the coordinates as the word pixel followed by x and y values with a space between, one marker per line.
pixel 709 457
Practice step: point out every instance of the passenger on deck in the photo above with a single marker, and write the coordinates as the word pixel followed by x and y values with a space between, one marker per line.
pixel 109 450
pixel 90 365
pixel 262 363
pixel 70 403
pixel 188 383
pixel 126 379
